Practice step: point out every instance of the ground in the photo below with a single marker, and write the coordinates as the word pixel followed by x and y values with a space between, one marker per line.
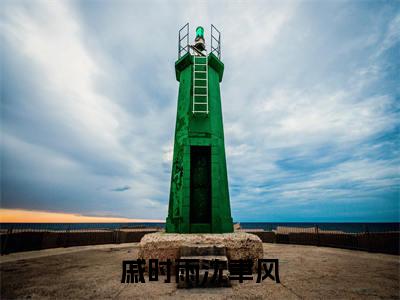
pixel 95 272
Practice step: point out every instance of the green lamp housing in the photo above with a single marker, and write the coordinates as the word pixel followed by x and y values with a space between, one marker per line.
pixel 199 40
pixel 199 32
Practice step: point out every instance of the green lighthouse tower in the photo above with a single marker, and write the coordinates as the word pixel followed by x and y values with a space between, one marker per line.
pixel 199 195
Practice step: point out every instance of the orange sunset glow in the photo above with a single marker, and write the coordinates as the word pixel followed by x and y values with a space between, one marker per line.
pixel 28 216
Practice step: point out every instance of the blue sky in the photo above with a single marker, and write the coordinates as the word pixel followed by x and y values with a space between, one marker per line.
pixel 310 104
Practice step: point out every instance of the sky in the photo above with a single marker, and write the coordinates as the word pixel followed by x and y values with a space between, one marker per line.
pixel 310 99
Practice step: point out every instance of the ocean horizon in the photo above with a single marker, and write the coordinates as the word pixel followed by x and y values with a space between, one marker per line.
pixel 348 227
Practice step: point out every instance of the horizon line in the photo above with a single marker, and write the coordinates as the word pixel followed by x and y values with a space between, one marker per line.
pixel 38 216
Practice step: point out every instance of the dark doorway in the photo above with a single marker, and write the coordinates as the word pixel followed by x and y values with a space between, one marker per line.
pixel 200 184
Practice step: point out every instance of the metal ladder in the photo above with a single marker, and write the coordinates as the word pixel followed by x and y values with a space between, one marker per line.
pixel 200 85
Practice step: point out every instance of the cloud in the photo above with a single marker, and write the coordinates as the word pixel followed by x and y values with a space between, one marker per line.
pixel 310 105
pixel 121 189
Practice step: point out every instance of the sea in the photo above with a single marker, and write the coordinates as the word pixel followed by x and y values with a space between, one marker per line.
pixel 267 226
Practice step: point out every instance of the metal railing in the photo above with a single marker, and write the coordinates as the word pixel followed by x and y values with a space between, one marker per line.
pixel 183 47
pixel 215 41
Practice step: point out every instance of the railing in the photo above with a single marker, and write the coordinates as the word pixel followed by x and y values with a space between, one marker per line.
pixel 28 237
pixel 183 41
pixel 373 237
pixel 215 41
pixel 345 227
pixel 183 35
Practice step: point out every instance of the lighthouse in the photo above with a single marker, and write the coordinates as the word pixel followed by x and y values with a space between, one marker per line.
pixel 199 194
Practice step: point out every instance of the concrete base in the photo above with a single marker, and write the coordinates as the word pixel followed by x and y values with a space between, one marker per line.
pixel 161 245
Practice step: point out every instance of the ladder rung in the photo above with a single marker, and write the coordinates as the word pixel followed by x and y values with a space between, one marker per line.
pixel 200 63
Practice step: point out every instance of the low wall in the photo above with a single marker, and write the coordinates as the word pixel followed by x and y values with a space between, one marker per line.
pixel 265 236
pixel 28 241
pixel 384 242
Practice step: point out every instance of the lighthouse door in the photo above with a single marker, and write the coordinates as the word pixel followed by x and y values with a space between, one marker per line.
pixel 200 187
